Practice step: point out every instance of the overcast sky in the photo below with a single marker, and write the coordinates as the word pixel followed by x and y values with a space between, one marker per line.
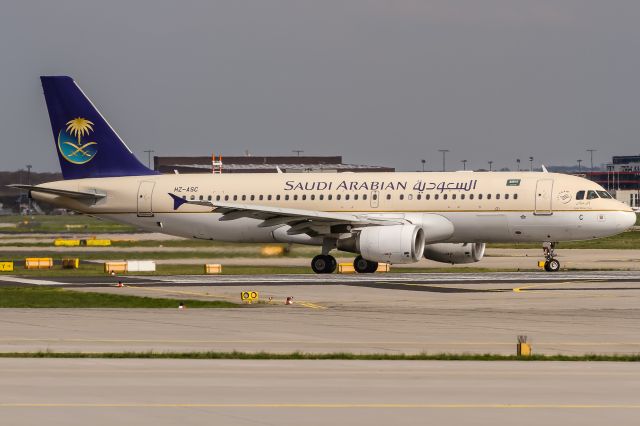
pixel 380 82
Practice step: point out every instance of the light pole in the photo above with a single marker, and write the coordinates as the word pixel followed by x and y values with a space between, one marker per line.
pixel 490 166
pixel 579 166
pixel 423 161
pixel 28 183
pixel 518 161
pixel 444 153
pixel 591 151
pixel 464 164
pixel 149 151
pixel 297 151
pixel 530 164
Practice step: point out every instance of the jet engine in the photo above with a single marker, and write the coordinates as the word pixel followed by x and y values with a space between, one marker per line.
pixel 455 253
pixel 390 244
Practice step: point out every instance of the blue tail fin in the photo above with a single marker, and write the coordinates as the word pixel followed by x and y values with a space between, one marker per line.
pixel 87 145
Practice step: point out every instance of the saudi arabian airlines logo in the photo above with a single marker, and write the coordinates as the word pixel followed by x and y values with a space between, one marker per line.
pixel 71 145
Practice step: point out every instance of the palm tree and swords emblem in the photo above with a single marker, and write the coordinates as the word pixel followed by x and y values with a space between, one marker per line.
pixel 77 151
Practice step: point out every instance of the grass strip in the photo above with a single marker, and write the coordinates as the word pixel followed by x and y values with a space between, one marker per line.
pixel 46 297
pixel 323 356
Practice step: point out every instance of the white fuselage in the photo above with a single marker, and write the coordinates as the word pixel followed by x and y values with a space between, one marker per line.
pixel 483 207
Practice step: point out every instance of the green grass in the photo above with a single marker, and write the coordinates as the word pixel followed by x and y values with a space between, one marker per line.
pixel 625 241
pixel 322 356
pixel 44 297
pixel 58 224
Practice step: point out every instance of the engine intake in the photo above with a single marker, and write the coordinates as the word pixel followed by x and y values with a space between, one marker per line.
pixel 455 252
pixel 390 244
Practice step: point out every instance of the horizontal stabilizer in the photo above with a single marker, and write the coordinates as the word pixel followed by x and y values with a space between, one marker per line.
pixel 61 192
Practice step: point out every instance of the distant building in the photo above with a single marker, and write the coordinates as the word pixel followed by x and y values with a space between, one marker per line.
pixel 262 164
pixel 622 178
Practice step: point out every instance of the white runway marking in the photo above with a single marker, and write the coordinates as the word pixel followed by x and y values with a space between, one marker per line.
pixel 14 279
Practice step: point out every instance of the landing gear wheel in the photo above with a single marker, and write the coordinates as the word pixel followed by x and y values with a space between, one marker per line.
pixel 364 266
pixel 552 265
pixel 323 264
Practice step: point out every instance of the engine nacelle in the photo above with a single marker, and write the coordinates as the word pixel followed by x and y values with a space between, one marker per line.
pixel 390 244
pixel 455 253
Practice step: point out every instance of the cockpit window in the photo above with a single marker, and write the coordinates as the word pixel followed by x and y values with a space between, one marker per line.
pixel 580 195
pixel 604 194
pixel 591 195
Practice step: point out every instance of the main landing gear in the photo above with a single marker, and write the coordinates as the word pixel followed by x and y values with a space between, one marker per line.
pixel 364 266
pixel 551 264
pixel 324 264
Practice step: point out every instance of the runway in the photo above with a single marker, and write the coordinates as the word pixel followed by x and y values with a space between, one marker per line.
pixel 232 392
pixel 567 313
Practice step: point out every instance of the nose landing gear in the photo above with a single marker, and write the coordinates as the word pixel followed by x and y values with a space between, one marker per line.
pixel 551 264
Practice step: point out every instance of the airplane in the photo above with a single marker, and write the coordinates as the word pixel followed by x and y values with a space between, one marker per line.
pixel 397 218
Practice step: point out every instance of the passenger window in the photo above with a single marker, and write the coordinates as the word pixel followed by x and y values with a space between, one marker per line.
pixel 244 197
pixel 591 195
pixel 580 195
pixel 471 196
pixel 506 196
pixel 253 197
pixel 462 196
pixel 226 198
pixel 427 197
pixel 286 197
pixel 313 197
pixel 445 196
pixel 346 197
pixel 209 197
pixel 217 198
pixel 304 197
pixel 338 196
pixel 453 197
pixel 435 197
pixel 295 197
pixel 388 196
pixel 193 197
pixel 604 194
pixel 321 196
pixel 410 197
pixel 419 196
pixel 260 197
pixel 329 197
pixel 402 196
pixel 269 197
pixel 479 196
pixel 355 196
pixel 375 196
pixel 278 197
pixel 515 196
pixel 488 196
pixel 497 196
pixel 235 198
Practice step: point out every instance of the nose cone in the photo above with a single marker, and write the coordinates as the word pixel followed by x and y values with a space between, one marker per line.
pixel 626 220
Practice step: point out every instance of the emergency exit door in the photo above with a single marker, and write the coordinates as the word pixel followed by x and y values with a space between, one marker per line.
pixel 544 189
pixel 145 198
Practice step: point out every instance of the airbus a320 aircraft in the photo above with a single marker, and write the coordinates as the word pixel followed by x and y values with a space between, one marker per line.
pixel 382 217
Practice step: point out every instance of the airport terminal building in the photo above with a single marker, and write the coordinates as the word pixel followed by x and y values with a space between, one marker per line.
pixel 260 164
pixel 621 177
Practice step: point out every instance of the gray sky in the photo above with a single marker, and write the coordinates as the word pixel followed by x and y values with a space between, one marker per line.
pixel 386 82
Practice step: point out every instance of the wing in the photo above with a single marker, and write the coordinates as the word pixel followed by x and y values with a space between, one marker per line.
pixel 79 195
pixel 311 222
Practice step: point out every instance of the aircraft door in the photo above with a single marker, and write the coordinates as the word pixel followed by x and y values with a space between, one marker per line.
pixel 145 196
pixel 375 199
pixel 544 189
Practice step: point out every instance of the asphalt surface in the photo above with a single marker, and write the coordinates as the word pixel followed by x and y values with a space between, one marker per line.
pixel 230 392
pixel 568 313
